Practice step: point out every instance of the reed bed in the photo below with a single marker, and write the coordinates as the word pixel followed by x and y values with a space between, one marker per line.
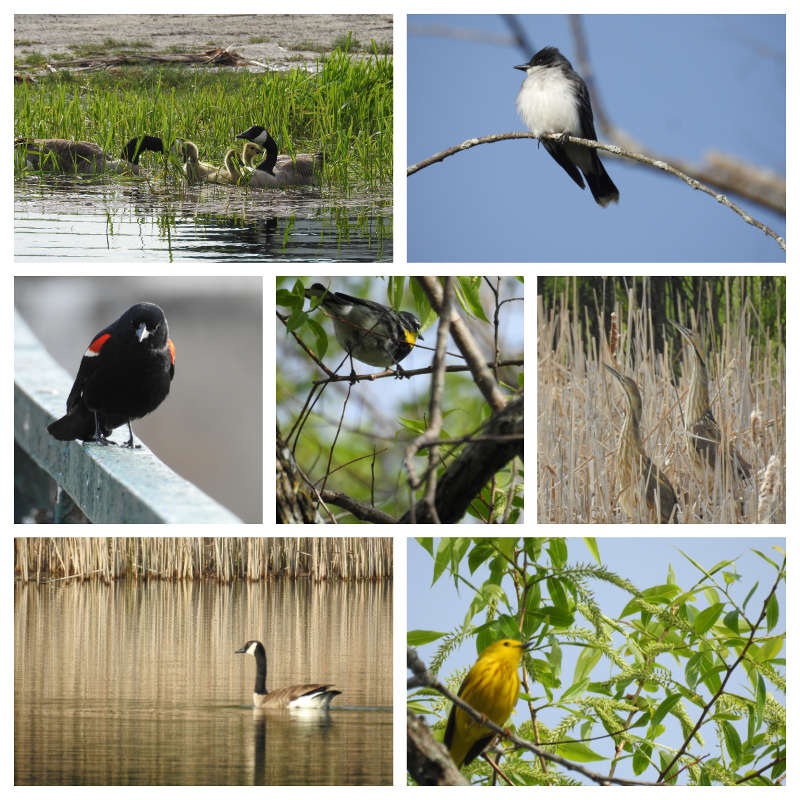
pixel 345 109
pixel 46 559
pixel 581 411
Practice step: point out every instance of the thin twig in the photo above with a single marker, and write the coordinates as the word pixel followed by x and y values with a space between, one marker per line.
pixel 609 148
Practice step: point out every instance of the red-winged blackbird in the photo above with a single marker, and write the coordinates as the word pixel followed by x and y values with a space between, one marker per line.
pixel 125 373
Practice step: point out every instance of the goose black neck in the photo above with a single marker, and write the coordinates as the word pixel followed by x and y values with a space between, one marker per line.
pixel 261 670
pixel 268 164
pixel 138 145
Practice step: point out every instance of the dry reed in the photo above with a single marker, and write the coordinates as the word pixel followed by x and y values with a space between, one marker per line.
pixel 580 413
pixel 220 559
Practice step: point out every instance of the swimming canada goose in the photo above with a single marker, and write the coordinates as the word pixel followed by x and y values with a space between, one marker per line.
pixel 231 172
pixel 196 170
pixel 275 170
pixel 251 153
pixel 193 168
pixel 307 695
pixel 65 155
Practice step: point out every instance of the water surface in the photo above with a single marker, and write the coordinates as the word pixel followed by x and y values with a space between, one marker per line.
pixel 139 684
pixel 118 219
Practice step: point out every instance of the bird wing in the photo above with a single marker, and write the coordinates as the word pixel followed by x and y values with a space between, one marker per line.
pixel 557 151
pixel 282 698
pixel 87 368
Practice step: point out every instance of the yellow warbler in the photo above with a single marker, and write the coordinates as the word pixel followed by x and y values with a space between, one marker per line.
pixel 491 687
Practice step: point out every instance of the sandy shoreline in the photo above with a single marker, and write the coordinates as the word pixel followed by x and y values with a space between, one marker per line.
pixel 284 35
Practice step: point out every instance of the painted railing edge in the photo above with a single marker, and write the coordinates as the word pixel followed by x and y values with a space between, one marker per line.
pixel 109 484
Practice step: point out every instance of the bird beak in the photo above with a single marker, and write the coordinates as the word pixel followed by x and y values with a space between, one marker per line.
pixel 523 67
pixel 612 371
pixel 142 333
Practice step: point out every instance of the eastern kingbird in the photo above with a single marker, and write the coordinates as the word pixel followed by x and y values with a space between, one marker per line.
pixel 554 99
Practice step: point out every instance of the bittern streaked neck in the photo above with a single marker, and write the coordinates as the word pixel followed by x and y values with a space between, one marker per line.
pixel 702 431
pixel 641 482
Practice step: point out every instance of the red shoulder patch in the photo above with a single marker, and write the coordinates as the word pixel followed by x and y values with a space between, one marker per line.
pixel 94 347
pixel 171 350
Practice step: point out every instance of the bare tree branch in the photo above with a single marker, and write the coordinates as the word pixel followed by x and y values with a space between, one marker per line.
pixel 609 148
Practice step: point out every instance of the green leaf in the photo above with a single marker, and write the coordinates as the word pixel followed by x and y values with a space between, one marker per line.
pixel 641 758
pixel 733 744
pixel 577 751
pixel 768 560
pixel 664 707
pixel 442 559
pixel 576 690
pixel 557 594
pixel 771 648
pixel 591 543
pixel 557 548
pixel 506 545
pixel 772 612
pixel 427 544
pixel 586 662
pixel 707 617
pixel 419 637
pixel 554 655
pixel 761 698
pixel 468 290
pixel 480 553
pixel 749 595
pixel 664 593
pixel 731 621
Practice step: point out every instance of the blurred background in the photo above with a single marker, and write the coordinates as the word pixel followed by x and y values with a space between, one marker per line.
pixel 209 429
pixel 675 86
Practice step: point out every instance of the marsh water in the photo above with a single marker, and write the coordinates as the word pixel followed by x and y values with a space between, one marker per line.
pixel 66 217
pixel 139 684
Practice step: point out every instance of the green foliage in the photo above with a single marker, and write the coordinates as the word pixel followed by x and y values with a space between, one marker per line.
pixel 344 109
pixel 691 662
pixel 374 471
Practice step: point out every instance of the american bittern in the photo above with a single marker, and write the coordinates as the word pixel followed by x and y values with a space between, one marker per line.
pixel 639 479
pixel 702 431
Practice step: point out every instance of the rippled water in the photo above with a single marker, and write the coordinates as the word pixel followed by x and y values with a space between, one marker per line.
pixel 137 684
pixel 75 218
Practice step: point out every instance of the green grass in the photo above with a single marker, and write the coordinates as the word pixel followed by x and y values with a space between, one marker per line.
pixel 345 110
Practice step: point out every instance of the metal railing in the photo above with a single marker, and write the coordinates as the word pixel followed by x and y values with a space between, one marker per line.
pixel 108 484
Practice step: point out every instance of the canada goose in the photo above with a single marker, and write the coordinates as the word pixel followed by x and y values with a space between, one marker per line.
pixel 231 172
pixel 277 170
pixel 196 170
pixel 65 155
pixel 193 168
pixel 307 695
pixel 250 154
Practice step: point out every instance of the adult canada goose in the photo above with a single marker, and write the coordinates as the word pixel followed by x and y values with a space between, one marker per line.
pixel 306 695
pixel 65 155
pixel 275 170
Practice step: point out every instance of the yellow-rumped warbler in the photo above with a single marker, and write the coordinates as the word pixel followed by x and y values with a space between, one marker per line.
pixel 371 332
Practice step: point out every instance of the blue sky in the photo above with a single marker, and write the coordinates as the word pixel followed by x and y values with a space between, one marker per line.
pixel 680 85
pixel 644 561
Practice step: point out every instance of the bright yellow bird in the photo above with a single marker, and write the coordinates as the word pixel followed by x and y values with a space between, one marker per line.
pixel 491 687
